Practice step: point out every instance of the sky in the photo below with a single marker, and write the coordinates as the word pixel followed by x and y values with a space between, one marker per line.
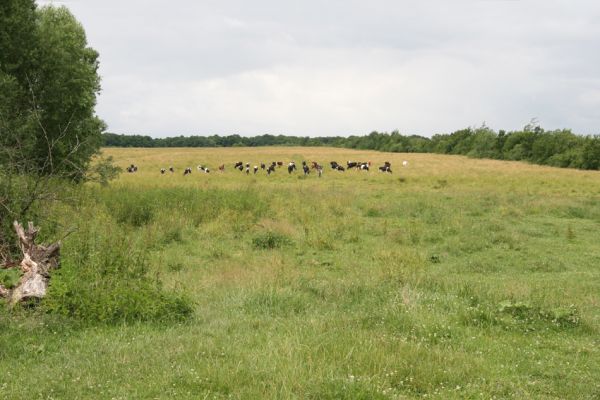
pixel 324 68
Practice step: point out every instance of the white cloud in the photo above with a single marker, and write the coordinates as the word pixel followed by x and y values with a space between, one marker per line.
pixel 344 67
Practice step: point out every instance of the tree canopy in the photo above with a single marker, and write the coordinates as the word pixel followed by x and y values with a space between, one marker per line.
pixel 48 86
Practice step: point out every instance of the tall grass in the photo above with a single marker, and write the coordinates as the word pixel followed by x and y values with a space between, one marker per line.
pixel 452 278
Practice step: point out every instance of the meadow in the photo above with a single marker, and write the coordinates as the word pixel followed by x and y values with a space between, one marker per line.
pixel 451 278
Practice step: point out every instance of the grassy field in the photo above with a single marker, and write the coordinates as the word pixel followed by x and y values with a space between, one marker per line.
pixel 450 278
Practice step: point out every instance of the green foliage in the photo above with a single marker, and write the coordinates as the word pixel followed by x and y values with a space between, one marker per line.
pixel 103 171
pixel 48 88
pixel 102 281
pixel 48 128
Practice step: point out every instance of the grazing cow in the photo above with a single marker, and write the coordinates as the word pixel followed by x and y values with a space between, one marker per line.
pixel 279 164
pixel 132 168
pixel 364 166
pixel 187 171
pixel 262 166
pixel 171 169
pixel 162 171
pixel 351 164
pixel 385 168
pixel 318 167
pixel 238 164
pixel 333 164
pixel 271 168
pixel 255 169
pixel 340 168
pixel 222 168
pixel 305 168
pixel 291 167
pixel 405 163
pixel 247 168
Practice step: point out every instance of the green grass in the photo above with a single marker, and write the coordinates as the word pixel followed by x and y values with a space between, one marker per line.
pixel 453 278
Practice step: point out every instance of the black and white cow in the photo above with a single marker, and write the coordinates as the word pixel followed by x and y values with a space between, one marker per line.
pixel 291 167
pixel 187 171
pixel 364 166
pixel 162 171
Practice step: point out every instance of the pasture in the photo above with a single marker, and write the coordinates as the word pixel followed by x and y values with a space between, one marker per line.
pixel 449 278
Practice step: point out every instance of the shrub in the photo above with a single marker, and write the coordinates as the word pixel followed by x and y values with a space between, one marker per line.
pixel 102 281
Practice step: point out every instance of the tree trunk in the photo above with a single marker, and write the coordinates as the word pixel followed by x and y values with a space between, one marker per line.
pixel 37 263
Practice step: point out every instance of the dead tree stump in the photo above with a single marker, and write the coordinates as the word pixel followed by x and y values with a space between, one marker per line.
pixel 36 265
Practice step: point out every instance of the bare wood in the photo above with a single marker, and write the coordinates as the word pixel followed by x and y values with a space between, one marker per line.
pixel 36 265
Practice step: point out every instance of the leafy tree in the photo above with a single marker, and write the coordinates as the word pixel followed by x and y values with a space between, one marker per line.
pixel 48 128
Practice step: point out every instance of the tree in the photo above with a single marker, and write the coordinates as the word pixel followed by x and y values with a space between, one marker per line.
pixel 49 82
pixel 48 128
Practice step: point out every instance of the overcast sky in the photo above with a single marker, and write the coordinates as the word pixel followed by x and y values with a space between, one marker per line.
pixel 334 67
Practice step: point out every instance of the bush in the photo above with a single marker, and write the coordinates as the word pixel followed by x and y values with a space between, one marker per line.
pixel 102 281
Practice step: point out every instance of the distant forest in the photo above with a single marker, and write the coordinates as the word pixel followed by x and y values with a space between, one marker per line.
pixel 558 148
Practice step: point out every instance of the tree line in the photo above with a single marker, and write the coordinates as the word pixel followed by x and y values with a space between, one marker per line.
pixel 558 148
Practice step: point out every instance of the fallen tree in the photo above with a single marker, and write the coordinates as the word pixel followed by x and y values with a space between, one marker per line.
pixel 35 267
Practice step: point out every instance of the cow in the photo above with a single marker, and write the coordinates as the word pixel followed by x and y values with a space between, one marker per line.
pixel 271 168
pixel 318 167
pixel 385 168
pixel 305 168
pixel 364 166
pixel 336 166
pixel 162 171
pixel 262 166
pixel 247 168
pixel 351 164
pixel 132 168
pixel 255 169
pixel 279 164
pixel 187 171
pixel 222 168
pixel 204 169
pixel 238 164
pixel 291 167
pixel 171 169
pixel 405 163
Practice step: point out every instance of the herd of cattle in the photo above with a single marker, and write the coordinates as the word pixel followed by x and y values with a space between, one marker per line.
pixel 291 167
